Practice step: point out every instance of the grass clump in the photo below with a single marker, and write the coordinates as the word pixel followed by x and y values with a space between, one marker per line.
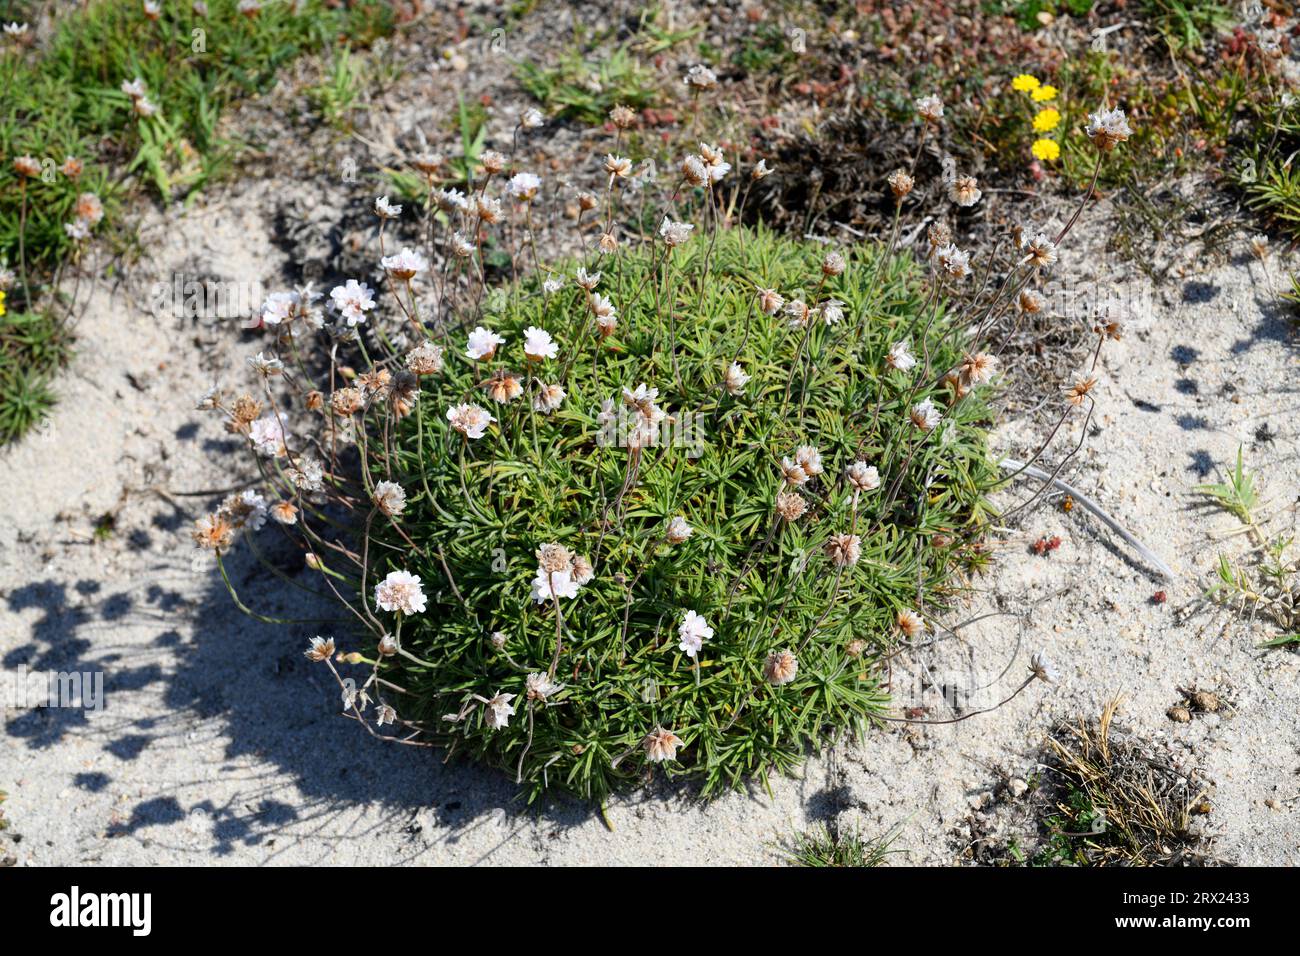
pixel 1117 801
pixel 1188 24
pixel 586 88
pixel 826 847
pixel 32 346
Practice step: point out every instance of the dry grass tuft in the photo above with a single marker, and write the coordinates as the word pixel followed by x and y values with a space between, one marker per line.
pixel 1134 807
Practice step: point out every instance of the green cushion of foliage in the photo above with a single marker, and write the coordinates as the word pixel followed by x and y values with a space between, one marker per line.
pixel 487 505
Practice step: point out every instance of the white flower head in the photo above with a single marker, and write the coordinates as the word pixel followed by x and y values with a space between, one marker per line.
pixel 265 365
pixel 268 437
pixel 425 359
pixel 674 233
pixel 930 108
pixel 716 166
pixel 483 344
pixel 538 344
pixel 809 459
pixel 964 191
pixel 552 585
pixel 1043 667
pixel 661 745
pixel 781 667
pixel 469 419
pixel 405 264
pixel 694 630
pixel 618 166
pixel 1108 128
pixel 278 307
pixel 386 210
pixel 700 77
pixel 499 710
pixel 1040 251
pixel 319 649
pixel 925 415
pixel 734 379
pixel 539 686
pixel 245 509
pixel 678 530
pixel 400 591
pixel 694 171
pixel 451 200
pixel 910 623
pixel 770 301
pixel 523 187
pixel 549 398
pixel 390 498
pixel 862 477
pixel 793 472
pixel 953 261
pixel 798 312
pixel 461 246
pixel 353 300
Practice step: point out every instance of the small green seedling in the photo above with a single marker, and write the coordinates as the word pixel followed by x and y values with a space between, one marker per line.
pixel 1237 495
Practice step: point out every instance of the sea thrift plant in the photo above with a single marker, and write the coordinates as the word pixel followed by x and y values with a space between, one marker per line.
pixel 668 505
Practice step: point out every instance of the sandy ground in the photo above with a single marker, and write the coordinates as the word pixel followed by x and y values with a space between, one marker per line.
pixel 219 743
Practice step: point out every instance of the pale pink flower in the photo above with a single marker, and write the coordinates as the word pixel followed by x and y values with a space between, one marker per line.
pixel 469 419
pixel 694 630
pixel 353 299
pixel 400 591
pixel 661 745
pixel 268 437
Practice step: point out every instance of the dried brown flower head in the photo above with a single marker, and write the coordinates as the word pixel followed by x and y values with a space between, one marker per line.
pixel 781 667
pixel 901 184
pixel 504 386
pixel 790 505
pixel 844 550
pixel 1078 391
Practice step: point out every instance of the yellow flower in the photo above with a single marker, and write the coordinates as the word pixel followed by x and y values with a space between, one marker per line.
pixel 1046 149
pixel 2 301
pixel 1046 120
pixel 1044 93
pixel 1025 83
